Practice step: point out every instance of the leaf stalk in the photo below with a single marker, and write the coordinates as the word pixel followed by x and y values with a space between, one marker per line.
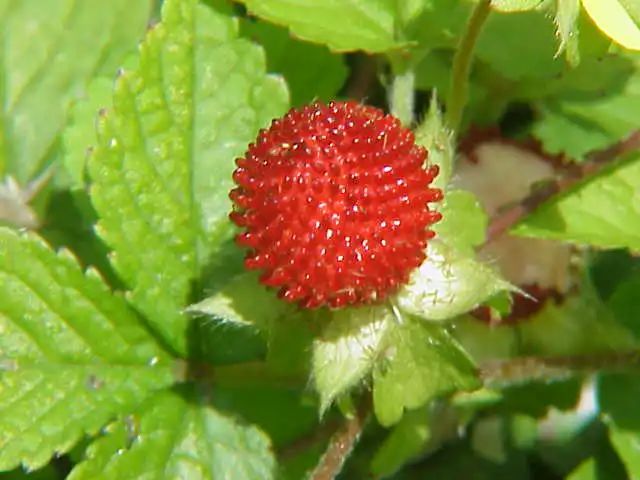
pixel 459 83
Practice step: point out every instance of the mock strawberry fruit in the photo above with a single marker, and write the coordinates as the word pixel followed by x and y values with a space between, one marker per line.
pixel 334 203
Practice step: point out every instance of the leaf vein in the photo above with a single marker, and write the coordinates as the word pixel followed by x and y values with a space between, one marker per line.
pixel 37 420
pixel 15 401
pixel 147 155
pixel 29 334
pixel 55 311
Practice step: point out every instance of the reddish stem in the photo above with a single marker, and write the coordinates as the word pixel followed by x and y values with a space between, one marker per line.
pixel 572 175
pixel 342 442
pixel 524 369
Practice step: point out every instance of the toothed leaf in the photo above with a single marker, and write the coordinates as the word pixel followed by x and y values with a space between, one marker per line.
pixel 177 434
pixel 243 301
pixel 420 361
pixel 578 215
pixel 576 124
pixel 161 171
pixel 72 355
pixel 80 135
pixel 346 350
pixel 566 20
pixel 447 284
pixel 438 140
pixel 343 25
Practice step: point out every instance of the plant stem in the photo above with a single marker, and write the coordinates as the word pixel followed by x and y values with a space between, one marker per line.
pixel 342 442
pixel 459 84
pixel 402 94
pixel 523 369
pixel 570 177
pixel 315 437
pixel 363 77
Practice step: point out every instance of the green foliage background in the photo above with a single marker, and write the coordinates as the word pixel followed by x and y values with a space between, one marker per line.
pixel 133 345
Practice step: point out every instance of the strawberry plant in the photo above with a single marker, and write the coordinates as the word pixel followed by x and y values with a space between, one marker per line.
pixel 277 239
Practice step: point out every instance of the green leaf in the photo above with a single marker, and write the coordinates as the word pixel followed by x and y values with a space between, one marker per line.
pixel 517 61
pixel 447 284
pixel 49 472
pixel 421 361
pixel 440 23
pixel 627 444
pixel 72 355
pixel 572 133
pixel 625 304
pixel 342 25
pixel 529 51
pixel 347 349
pixel 617 398
pixel 484 342
pixel 80 135
pixel 586 82
pixel 610 269
pixel 618 19
pixel 604 465
pixel 601 212
pixel 50 50
pixel 433 135
pixel 464 221
pixel 236 320
pixel 406 441
pixel 69 224
pixel 587 470
pixel 284 412
pixel 161 172
pixel 578 325
pixel 515 5
pixel 290 341
pixel 408 10
pixel 581 118
pixel 177 435
pixel 221 342
pixel 566 19
pixel 243 301
pixel 250 313
pixel 312 71
pixel 515 58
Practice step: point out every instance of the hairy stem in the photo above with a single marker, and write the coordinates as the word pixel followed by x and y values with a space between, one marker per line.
pixel 342 442
pixel 570 177
pixel 523 369
pixel 402 95
pixel 459 83
pixel 313 438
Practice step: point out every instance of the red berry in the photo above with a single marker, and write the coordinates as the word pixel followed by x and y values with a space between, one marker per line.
pixel 334 203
